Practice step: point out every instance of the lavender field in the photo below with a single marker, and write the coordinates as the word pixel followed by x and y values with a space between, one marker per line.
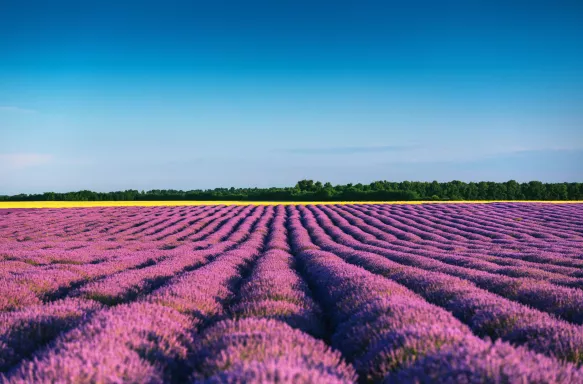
pixel 444 293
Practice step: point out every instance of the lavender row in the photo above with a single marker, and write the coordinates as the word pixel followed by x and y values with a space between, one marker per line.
pixel 32 286
pixel 487 314
pixel 564 302
pixel 141 220
pixel 523 269
pixel 276 291
pixel 526 218
pixel 51 222
pixel 388 331
pixel 24 331
pixel 256 350
pixel 209 225
pixel 156 347
pixel 203 292
pixel 76 253
pixel 451 227
pixel 173 233
pixel 160 220
pixel 562 264
pixel 434 222
pixel 266 336
pixel 170 227
pixel 127 285
pixel 107 350
pixel 78 225
pixel 498 220
pixel 95 224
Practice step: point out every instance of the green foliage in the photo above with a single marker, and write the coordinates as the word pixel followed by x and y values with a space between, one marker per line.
pixel 308 190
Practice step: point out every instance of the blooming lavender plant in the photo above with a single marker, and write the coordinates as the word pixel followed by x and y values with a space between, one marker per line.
pixel 473 293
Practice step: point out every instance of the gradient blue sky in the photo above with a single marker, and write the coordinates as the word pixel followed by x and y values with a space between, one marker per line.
pixel 109 95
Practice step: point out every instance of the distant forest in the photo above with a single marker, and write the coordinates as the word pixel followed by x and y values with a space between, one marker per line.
pixel 308 190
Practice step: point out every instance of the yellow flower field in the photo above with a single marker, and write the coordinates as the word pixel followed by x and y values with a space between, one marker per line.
pixel 86 204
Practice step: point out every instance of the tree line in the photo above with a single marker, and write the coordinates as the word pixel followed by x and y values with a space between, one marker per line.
pixel 308 190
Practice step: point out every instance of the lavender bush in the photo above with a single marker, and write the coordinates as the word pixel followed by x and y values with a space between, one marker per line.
pixel 444 293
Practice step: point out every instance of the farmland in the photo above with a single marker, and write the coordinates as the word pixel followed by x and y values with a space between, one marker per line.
pixel 321 293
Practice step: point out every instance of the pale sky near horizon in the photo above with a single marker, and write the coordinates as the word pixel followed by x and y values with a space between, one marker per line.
pixel 108 95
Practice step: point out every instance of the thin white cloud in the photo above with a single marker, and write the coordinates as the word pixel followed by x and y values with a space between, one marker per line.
pixel 548 148
pixel 350 150
pixel 12 109
pixel 23 160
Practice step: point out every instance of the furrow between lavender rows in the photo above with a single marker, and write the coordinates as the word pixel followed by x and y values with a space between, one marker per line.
pixel 167 218
pixel 172 234
pixel 564 265
pixel 372 232
pixel 391 334
pixel 160 230
pixel 487 314
pixel 564 302
pixel 158 345
pixel 54 282
pixel 330 294
pixel 126 286
pixel 451 227
pixel 465 228
pixel 270 332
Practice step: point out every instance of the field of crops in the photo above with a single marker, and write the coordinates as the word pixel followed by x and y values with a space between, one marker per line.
pixel 464 293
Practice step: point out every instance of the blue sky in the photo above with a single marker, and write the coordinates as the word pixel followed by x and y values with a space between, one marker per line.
pixel 109 95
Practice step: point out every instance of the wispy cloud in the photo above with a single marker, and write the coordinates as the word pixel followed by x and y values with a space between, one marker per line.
pixel 515 152
pixel 349 150
pixel 546 149
pixel 449 156
pixel 12 109
pixel 23 160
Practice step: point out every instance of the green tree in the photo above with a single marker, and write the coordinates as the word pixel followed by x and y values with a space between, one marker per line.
pixel 535 190
pixel 305 185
